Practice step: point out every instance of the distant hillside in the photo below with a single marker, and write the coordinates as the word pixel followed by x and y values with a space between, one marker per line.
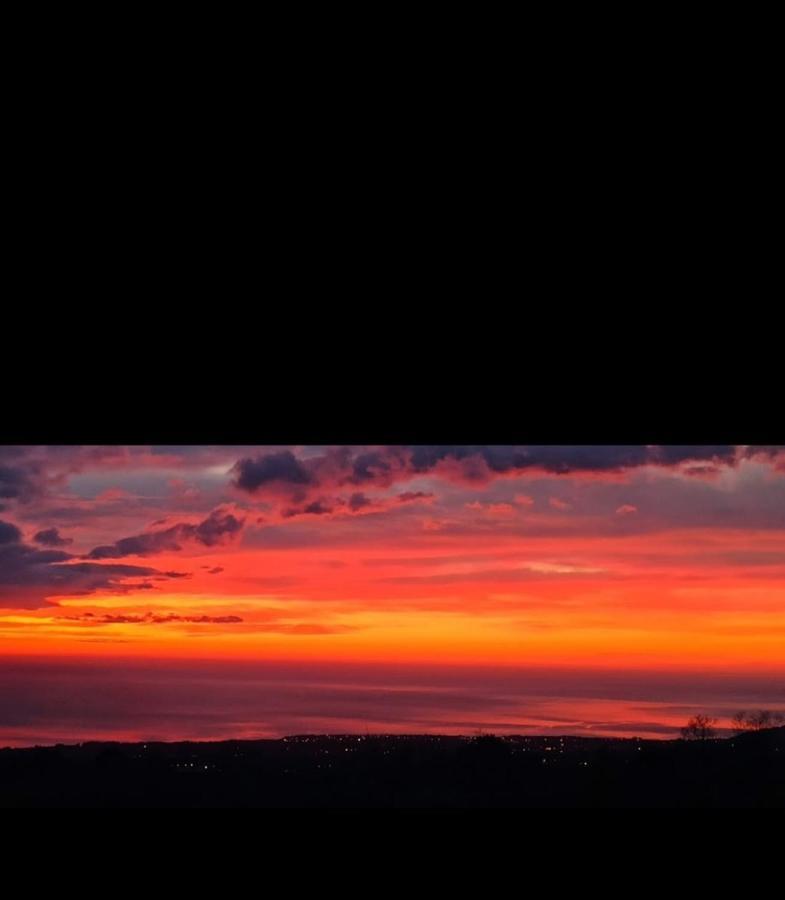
pixel 768 736
pixel 404 771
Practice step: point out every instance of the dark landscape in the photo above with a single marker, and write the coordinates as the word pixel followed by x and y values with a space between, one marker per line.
pixel 402 772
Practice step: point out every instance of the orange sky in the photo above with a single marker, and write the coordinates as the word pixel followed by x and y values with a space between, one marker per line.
pixel 664 562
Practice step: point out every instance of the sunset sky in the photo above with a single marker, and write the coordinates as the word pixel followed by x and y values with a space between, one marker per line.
pixel 211 592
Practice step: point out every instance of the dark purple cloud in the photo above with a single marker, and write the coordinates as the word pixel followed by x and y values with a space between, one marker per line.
pixel 28 576
pixel 563 460
pixel 377 467
pixel 273 467
pixel 140 544
pixel 357 503
pixel 27 473
pixel 278 471
pixel 317 508
pixel 217 527
pixel 358 500
pixel 50 537
pixel 20 482
pixel 411 496
pixel 9 533
pixel 151 619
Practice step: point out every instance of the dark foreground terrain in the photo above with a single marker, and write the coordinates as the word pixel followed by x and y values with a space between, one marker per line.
pixel 351 771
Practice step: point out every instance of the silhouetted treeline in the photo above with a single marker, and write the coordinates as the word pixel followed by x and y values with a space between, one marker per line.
pixel 352 771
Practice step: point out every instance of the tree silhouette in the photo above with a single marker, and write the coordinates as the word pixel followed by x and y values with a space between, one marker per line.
pixel 756 721
pixel 739 722
pixel 699 728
